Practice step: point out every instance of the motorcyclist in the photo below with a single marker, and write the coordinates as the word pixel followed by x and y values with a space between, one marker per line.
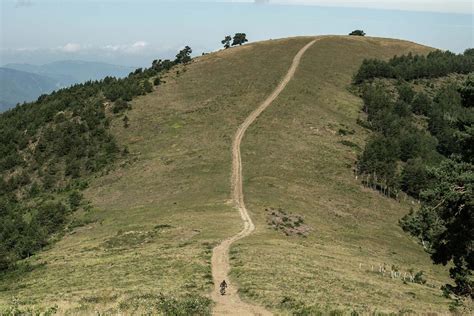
pixel 223 287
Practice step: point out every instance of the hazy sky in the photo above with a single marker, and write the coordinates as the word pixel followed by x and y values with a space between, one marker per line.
pixel 134 32
pixel 452 6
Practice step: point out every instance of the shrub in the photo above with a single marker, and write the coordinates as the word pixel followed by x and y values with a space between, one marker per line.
pixel 357 33
pixel 120 106
pixel 419 278
pixel 75 199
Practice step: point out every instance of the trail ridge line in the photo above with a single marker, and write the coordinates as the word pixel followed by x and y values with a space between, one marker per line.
pixel 231 304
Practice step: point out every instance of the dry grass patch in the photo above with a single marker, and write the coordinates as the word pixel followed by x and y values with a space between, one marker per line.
pixel 289 224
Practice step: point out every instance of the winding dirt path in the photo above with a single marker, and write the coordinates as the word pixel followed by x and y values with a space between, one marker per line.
pixel 230 304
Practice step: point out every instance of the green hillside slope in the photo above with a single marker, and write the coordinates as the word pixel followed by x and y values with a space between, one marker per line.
pixel 156 217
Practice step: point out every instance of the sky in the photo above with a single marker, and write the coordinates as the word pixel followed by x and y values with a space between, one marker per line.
pixel 134 32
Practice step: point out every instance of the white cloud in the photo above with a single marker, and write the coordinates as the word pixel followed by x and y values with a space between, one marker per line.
pixel 134 48
pixel 139 44
pixel 112 47
pixel 70 48
pixel 137 47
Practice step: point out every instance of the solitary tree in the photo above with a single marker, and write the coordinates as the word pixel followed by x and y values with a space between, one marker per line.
pixel 357 33
pixel 226 41
pixel 239 39
pixel 184 56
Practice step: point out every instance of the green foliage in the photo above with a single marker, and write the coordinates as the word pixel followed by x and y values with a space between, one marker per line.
pixel 147 86
pixel 47 146
pixel 407 67
pixel 184 56
pixel 21 236
pixel 190 305
pixel 405 92
pixel 120 106
pixel 433 163
pixel 399 138
pixel 467 92
pixel 414 177
pixel 446 118
pixel 239 39
pixel 421 104
pixel 379 160
pixel 226 41
pixel 16 309
pixel 75 199
pixel 446 221
pixel 419 278
pixel 357 33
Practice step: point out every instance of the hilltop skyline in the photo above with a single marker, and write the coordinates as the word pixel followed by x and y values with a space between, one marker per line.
pixel 125 33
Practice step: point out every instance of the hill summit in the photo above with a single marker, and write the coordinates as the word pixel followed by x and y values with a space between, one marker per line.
pixel 144 233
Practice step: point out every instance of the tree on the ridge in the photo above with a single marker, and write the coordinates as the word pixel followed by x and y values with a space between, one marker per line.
pixel 184 55
pixel 226 41
pixel 239 39
pixel 357 33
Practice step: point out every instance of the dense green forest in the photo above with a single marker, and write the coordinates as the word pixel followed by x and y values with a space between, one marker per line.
pixel 421 112
pixel 48 148
pixel 407 67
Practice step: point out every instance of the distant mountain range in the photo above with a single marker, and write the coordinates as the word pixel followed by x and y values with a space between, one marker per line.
pixel 18 86
pixel 25 82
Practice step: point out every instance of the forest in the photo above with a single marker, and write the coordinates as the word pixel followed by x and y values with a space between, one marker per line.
pixel 48 148
pixel 421 112
pixel 407 67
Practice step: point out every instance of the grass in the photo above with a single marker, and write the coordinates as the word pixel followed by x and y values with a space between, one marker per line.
pixel 157 216
pixel 293 158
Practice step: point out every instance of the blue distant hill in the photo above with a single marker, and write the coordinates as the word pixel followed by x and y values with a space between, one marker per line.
pixel 19 86
pixel 26 82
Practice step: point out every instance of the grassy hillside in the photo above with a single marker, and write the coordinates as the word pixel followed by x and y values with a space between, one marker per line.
pixel 298 160
pixel 156 218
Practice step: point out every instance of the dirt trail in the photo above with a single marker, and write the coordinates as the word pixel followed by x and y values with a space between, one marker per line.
pixel 230 304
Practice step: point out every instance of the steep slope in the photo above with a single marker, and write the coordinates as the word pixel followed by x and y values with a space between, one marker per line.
pixel 158 216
